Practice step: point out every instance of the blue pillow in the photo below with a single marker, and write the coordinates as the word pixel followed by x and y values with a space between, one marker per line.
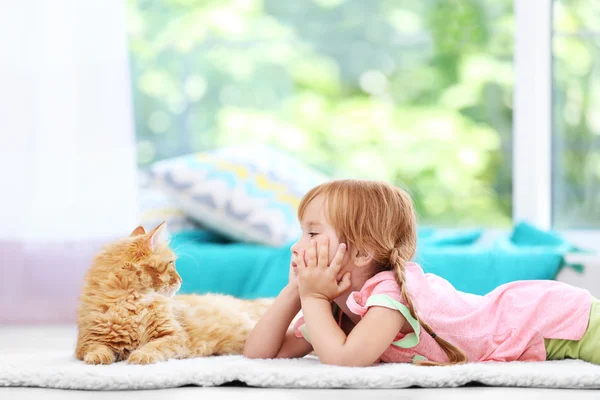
pixel 208 263
pixel 527 253
pixel 211 264
pixel 431 237
pixel 480 270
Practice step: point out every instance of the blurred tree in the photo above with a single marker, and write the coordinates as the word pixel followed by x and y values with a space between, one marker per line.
pixel 414 92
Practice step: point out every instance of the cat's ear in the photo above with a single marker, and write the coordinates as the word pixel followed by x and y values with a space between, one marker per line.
pixel 154 236
pixel 138 231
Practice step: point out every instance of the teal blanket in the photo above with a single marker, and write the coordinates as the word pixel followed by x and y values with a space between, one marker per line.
pixel 209 263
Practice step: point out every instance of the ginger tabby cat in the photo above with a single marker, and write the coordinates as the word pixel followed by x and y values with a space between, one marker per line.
pixel 128 309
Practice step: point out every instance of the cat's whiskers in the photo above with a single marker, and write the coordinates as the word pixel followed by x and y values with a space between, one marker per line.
pixel 175 246
pixel 180 254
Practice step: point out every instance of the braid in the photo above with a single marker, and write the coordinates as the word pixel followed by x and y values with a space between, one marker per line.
pixel 455 355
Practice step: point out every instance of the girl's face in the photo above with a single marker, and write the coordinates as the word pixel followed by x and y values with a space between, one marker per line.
pixel 315 227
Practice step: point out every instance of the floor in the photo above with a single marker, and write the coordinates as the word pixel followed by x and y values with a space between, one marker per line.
pixel 63 336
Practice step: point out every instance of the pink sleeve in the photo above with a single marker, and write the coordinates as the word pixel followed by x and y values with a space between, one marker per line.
pixel 388 288
pixel 298 327
pixel 357 301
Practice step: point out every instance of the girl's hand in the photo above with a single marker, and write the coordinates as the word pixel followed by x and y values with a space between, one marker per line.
pixel 318 279
pixel 292 280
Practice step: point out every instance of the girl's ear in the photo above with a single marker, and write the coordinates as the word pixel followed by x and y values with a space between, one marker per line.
pixel 361 258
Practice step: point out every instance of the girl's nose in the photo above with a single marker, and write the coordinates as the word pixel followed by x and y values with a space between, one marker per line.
pixel 294 249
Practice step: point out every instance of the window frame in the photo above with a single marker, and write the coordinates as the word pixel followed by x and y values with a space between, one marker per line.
pixel 533 121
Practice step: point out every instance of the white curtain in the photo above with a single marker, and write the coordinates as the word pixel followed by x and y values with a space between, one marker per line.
pixel 67 154
pixel 67 150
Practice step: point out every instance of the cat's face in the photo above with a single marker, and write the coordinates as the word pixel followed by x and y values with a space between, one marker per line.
pixel 145 262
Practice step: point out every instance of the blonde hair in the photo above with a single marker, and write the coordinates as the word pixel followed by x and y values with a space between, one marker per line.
pixel 378 218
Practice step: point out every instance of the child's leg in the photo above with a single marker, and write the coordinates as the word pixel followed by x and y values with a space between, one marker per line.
pixel 590 342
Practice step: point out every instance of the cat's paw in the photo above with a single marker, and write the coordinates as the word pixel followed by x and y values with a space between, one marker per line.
pixel 143 357
pixel 99 356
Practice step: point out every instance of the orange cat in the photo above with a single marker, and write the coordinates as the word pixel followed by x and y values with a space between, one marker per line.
pixel 128 310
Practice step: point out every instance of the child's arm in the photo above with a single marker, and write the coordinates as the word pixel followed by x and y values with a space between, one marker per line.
pixel 318 284
pixel 363 346
pixel 293 347
pixel 271 338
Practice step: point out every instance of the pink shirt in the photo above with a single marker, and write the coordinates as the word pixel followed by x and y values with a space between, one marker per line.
pixel 508 324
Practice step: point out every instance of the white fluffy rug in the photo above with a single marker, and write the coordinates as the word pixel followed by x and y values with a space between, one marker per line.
pixel 58 369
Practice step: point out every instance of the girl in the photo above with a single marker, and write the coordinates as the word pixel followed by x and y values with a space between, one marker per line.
pixel 358 238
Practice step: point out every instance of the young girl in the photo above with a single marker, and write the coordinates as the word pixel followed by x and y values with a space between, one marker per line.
pixel 358 238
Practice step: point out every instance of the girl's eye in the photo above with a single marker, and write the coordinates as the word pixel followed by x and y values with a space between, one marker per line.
pixel 312 234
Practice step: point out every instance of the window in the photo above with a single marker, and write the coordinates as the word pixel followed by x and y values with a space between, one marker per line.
pixel 576 112
pixel 418 93
pixel 555 129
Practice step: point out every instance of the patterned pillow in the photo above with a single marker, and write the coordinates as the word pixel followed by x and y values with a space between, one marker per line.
pixel 156 206
pixel 246 194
